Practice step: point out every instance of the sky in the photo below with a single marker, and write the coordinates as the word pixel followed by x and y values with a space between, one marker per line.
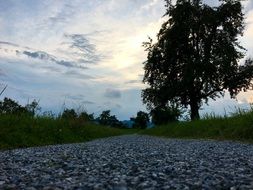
pixel 87 54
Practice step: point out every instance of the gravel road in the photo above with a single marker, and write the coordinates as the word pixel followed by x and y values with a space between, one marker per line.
pixel 130 162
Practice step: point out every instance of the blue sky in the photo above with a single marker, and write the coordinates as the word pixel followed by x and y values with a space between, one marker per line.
pixel 86 54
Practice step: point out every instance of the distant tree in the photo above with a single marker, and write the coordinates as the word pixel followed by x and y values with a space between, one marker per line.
pixel 196 56
pixel 69 114
pixel 86 117
pixel 106 118
pixel 33 107
pixel 141 120
pixel 9 106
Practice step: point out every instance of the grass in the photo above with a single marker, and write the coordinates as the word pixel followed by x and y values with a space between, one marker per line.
pixel 238 127
pixel 25 131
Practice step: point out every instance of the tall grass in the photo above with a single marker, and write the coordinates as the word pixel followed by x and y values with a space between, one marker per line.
pixel 239 126
pixel 25 131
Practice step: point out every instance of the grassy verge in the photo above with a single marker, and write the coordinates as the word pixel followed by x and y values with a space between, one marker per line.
pixel 239 127
pixel 24 131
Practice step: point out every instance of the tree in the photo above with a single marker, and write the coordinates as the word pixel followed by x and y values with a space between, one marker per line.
pixel 86 116
pixel 69 114
pixel 9 106
pixel 196 56
pixel 141 120
pixel 33 107
pixel 106 118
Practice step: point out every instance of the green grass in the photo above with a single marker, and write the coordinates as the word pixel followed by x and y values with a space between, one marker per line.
pixel 24 131
pixel 238 127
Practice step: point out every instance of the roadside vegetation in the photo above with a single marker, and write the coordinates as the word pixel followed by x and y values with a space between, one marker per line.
pixel 237 127
pixel 20 126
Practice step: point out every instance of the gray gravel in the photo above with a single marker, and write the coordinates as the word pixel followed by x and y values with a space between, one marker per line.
pixel 130 162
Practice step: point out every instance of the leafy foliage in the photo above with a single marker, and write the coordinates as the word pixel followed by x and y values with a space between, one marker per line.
pixel 141 120
pixel 196 57
pixel 9 106
pixel 106 118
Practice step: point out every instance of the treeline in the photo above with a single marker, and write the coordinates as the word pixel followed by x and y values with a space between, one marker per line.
pixel 12 107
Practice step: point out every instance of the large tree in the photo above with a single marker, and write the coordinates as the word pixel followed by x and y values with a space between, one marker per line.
pixel 197 56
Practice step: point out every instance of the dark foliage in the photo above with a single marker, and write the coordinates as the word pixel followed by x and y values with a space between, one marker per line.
pixel 106 118
pixel 9 106
pixel 166 115
pixel 69 114
pixel 141 120
pixel 86 116
pixel 196 57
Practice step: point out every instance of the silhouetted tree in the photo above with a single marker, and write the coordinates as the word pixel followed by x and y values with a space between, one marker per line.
pixel 196 56
pixel 69 114
pixel 33 107
pixel 86 116
pixel 141 120
pixel 9 106
pixel 106 118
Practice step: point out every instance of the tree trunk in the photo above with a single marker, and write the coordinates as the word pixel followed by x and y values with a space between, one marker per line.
pixel 194 110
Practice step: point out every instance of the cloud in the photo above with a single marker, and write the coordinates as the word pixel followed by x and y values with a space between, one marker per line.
pixel 40 55
pixel 81 47
pixel 87 102
pixel 64 14
pixel 9 43
pixel 132 81
pixel 47 57
pixel 248 5
pixel 2 73
pixel 76 97
pixel 112 93
pixel 78 74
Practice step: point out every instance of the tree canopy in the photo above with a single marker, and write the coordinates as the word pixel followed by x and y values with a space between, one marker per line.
pixel 197 56
pixel 11 107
